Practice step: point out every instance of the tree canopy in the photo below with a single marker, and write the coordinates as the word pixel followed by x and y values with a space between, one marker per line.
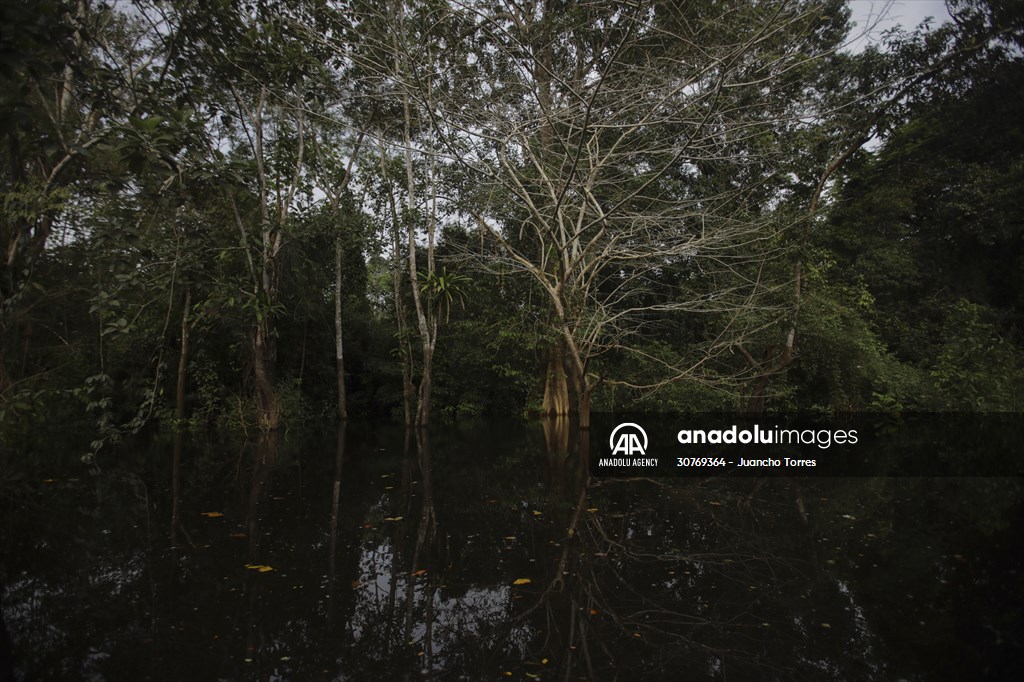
pixel 257 213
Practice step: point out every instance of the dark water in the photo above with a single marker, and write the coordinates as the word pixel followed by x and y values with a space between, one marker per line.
pixel 387 556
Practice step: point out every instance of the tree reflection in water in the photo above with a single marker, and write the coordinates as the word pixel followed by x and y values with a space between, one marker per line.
pixel 397 554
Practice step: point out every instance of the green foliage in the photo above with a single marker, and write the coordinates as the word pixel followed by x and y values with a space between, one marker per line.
pixel 976 368
pixel 143 181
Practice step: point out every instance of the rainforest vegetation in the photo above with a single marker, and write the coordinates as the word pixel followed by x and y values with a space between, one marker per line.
pixel 251 214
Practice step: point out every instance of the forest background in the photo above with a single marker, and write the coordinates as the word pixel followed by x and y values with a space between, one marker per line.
pixel 257 214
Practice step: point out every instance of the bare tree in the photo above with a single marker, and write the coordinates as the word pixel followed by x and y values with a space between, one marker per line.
pixel 623 158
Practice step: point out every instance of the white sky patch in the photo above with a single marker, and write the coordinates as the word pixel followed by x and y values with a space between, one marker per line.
pixel 875 17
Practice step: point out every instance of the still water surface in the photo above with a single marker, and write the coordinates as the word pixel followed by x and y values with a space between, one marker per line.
pixel 488 553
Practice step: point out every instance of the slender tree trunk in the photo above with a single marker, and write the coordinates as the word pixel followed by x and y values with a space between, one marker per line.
pixel 402 329
pixel 179 411
pixel 422 314
pixel 267 411
pixel 426 317
pixel 339 353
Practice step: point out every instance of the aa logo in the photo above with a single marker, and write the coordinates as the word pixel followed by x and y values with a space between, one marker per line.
pixel 628 439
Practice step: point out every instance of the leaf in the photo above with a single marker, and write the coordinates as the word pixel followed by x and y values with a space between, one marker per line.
pixel 420 572
pixel 393 518
pixel 591 509
pixel 521 581
pixel 264 569
pixel 212 515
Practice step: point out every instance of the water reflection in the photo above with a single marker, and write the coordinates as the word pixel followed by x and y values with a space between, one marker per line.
pixel 475 554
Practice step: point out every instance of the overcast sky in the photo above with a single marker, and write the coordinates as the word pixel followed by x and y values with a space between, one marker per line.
pixel 908 13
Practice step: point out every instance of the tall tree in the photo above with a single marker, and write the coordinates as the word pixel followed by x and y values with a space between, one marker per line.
pixel 613 150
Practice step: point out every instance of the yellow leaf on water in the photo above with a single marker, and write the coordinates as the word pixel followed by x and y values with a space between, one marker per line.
pixel 420 572
pixel 264 569
pixel 521 581
pixel 591 509
pixel 212 515
pixel 393 518
pixel 536 513
pixel 510 537
pixel 544 661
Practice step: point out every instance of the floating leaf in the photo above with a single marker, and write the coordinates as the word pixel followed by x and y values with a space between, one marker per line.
pixel 591 509
pixel 510 537
pixel 393 518
pixel 259 567
pixel 264 569
pixel 420 572
pixel 212 515
pixel 593 612
pixel 536 513
pixel 521 581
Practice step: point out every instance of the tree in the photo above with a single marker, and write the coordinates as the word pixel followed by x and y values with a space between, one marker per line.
pixel 611 153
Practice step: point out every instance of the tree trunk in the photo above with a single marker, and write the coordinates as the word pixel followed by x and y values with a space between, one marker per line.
pixel 179 403
pixel 583 398
pixel 556 384
pixel 426 386
pixel 339 354
pixel 267 411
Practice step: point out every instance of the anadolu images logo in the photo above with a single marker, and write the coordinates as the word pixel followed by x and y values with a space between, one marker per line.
pixel 631 441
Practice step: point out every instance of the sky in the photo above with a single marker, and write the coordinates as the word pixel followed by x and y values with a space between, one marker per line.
pixel 908 13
